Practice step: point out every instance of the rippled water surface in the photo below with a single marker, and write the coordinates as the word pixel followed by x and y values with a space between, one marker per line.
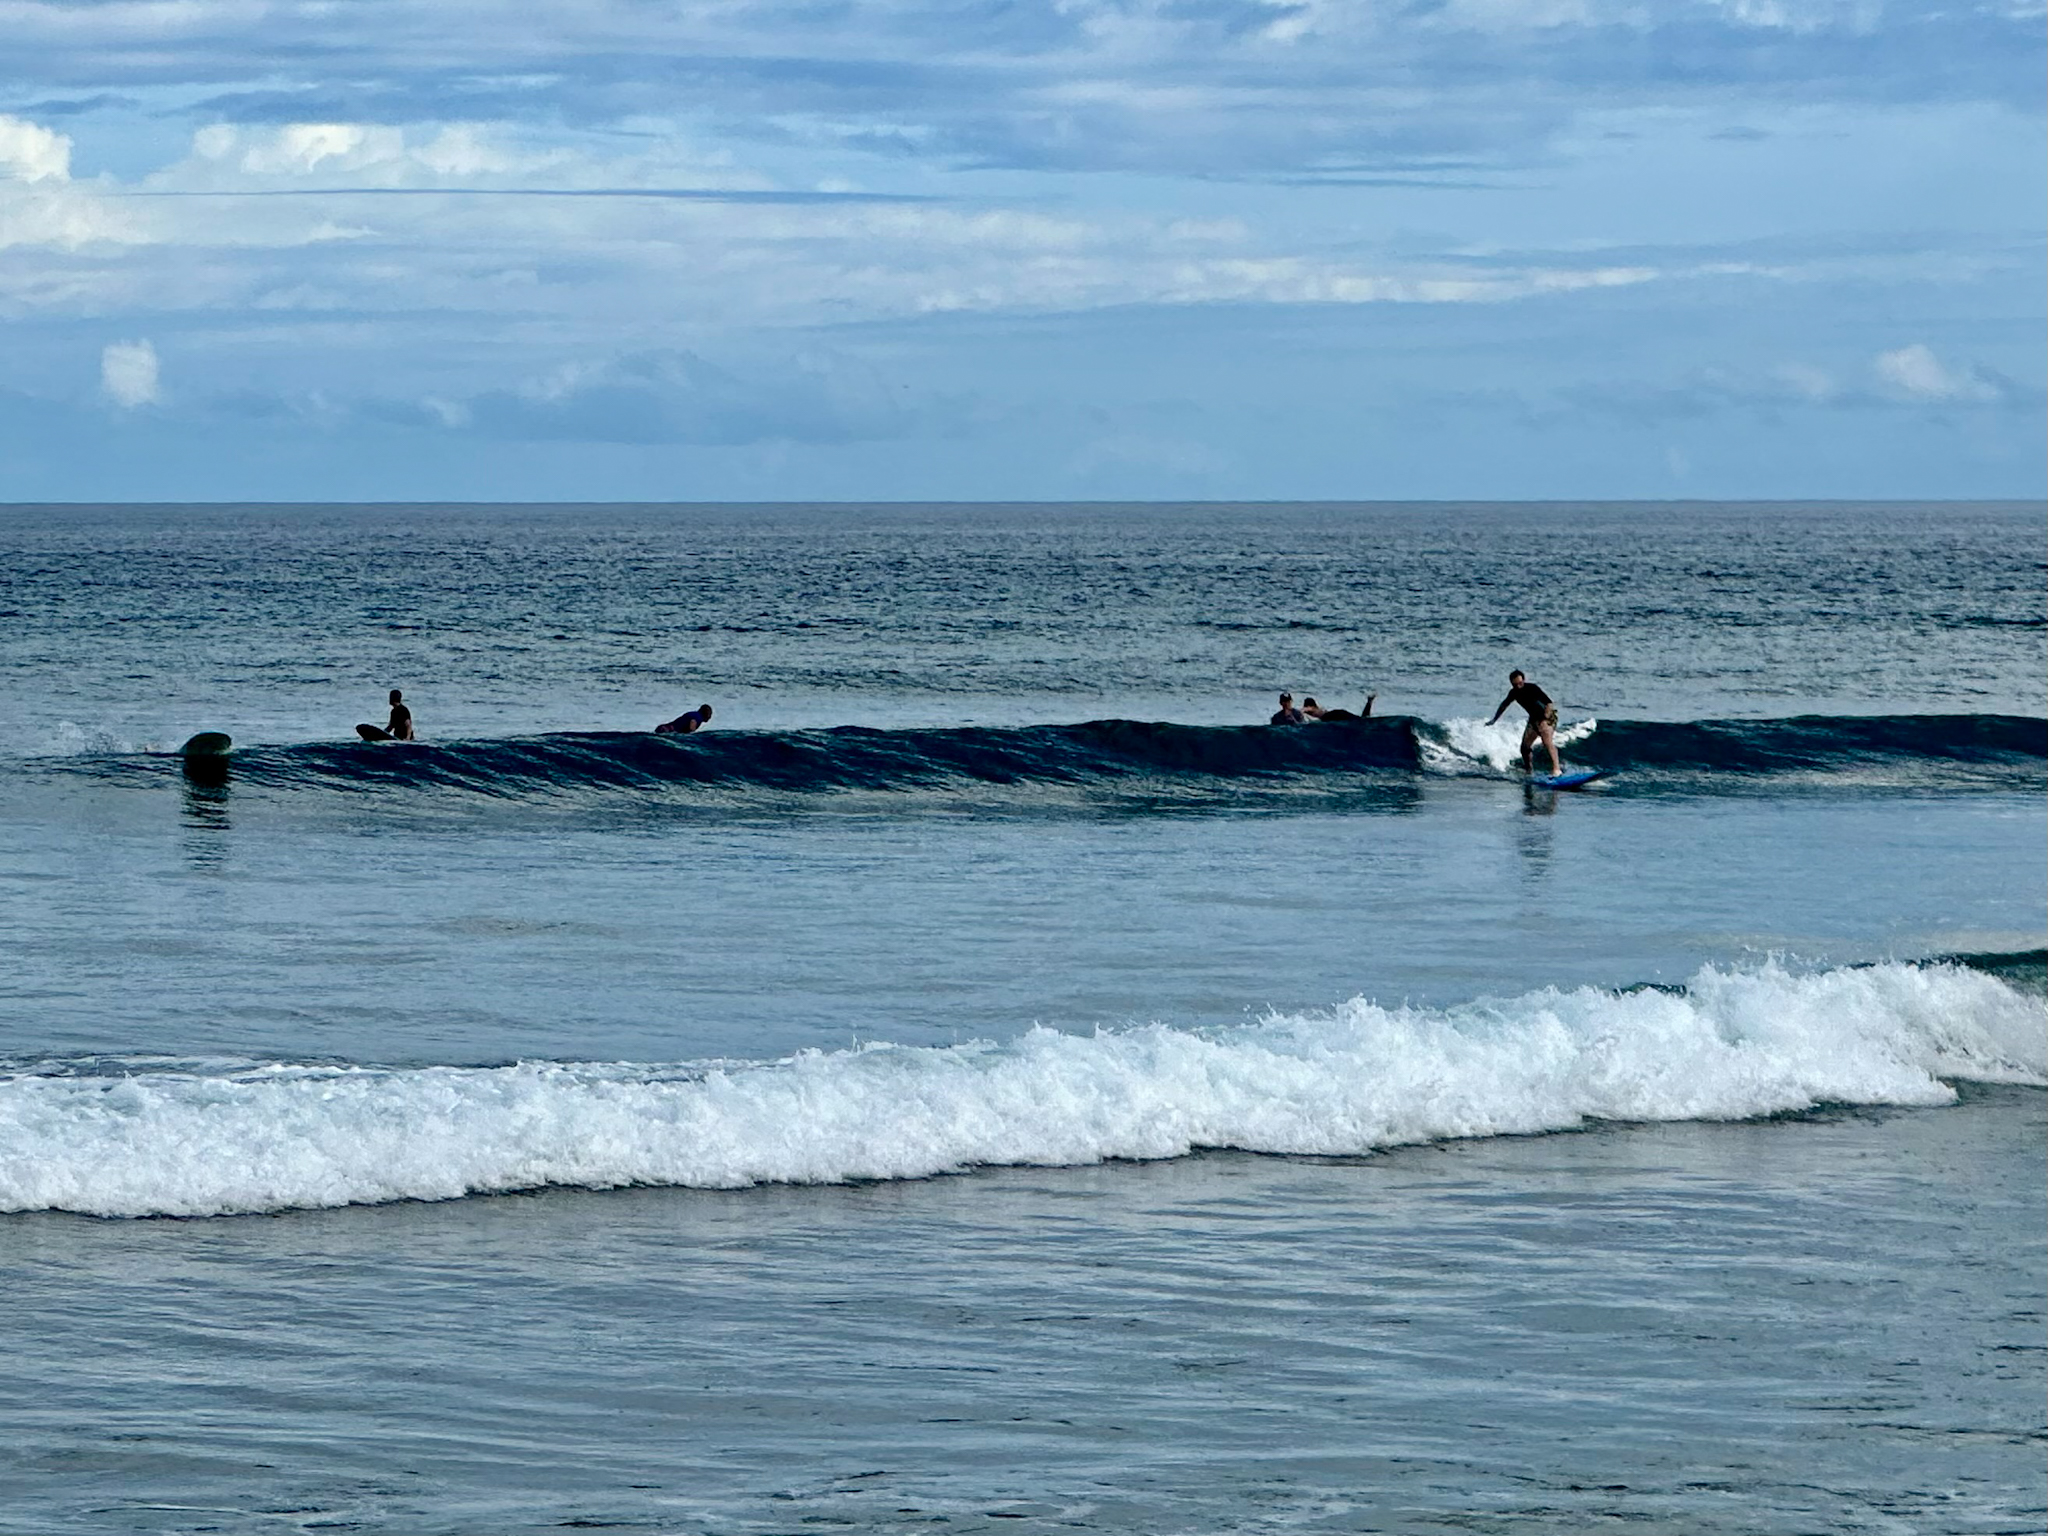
pixel 140 624
pixel 991 1082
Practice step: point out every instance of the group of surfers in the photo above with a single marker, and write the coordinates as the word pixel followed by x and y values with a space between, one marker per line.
pixel 399 727
pixel 1542 712
pixel 1542 726
pixel 1310 710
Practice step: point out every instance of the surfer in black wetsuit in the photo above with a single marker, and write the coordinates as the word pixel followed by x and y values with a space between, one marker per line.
pixel 1316 711
pixel 1287 714
pixel 400 728
pixel 689 720
pixel 1542 724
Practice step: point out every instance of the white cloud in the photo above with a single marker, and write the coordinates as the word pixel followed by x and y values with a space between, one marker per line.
pixel 1806 382
pixel 1917 374
pixel 301 147
pixel 225 156
pixel 63 215
pixel 30 152
pixel 39 202
pixel 128 373
pixel 679 397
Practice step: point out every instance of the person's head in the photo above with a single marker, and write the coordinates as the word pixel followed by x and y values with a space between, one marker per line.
pixel 1309 706
pixel 1515 679
pixel 396 695
pixel 1287 701
pixel 703 711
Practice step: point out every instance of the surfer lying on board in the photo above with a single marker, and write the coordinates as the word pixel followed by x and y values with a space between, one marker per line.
pixel 1316 711
pixel 689 720
pixel 400 728
pixel 1287 714
pixel 1542 724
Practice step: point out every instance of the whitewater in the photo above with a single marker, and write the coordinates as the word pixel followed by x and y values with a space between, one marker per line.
pixel 133 1140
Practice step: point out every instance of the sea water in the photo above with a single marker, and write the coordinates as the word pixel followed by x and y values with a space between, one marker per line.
pixel 992 1081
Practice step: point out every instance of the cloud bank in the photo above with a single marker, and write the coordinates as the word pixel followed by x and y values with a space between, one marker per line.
pixel 754 227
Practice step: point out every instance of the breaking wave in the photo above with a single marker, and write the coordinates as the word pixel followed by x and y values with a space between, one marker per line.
pixel 152 1138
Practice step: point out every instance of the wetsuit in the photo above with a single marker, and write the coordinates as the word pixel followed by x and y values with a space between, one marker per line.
pixel 1534 700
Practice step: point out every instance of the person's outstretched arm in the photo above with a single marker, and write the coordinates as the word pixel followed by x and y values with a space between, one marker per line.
pixel 1504 703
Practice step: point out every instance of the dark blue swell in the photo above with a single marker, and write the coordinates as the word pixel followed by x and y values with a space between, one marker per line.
pixel 1123 753
pixel 1819 743
pixel 1135 759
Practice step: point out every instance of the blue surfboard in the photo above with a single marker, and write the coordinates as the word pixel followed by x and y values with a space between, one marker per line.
pixel 1577 780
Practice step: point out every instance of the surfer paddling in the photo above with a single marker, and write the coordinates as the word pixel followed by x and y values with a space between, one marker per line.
pixel 689 720
pixel 1542 724
pixel 1316 711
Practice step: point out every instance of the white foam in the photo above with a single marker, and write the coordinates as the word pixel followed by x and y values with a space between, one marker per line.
pixel 67 738
pixel 1471 745
pixel 203 1141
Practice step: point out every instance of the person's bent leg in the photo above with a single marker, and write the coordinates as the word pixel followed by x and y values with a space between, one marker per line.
pixel 1528 747
pixel 1550 745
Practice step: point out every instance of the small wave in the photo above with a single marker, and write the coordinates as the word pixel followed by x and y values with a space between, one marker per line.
pixel 1148 761
pixel 150 1139
pixel 1822 743
pixel 1125 755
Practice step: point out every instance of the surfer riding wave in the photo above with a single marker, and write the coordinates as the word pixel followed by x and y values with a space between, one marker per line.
pixel 1542 724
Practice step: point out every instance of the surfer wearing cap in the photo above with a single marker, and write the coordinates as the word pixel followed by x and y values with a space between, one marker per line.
pixel 1316 711
pixel 689 720
pixel 1287 714
pixel 400 727
pixel 1542 724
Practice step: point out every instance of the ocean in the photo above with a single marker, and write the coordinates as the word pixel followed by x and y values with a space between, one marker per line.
pixel 991 1080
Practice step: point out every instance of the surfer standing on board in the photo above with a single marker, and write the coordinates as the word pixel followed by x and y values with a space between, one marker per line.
pixel 400 728
pixel 1542 724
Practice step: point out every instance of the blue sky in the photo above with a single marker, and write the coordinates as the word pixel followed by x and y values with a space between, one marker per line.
pixel 889 249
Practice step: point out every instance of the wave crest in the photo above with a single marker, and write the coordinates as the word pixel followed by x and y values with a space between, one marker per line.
pixel 205 1141
pixel 1139 761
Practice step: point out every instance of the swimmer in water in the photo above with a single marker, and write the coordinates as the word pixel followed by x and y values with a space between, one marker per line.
pixel 689 720
pixel 1542 724
pixel 1287 714
pixel 400 726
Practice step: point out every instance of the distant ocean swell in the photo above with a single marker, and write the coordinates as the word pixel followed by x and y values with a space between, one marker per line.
pixel 1139 758
pixel 153 1139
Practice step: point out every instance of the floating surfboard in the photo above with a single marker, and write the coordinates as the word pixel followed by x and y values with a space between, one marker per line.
pixel 207 744
pixel 1577 780
pixel 373 733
